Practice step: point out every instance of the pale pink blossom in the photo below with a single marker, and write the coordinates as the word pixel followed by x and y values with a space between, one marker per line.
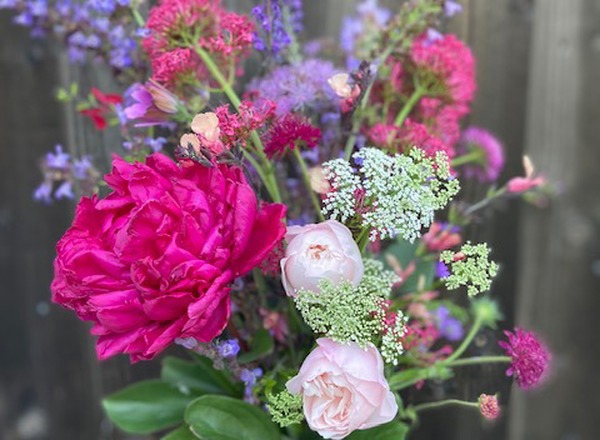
pixel 323 251
pixel 206 126
pixel 340 85
pixel 318 182
pixel 343 389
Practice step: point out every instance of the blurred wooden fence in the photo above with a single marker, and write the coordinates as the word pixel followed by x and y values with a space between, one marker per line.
pixel 538 68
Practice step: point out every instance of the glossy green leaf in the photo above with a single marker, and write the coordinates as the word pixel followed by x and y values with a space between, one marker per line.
pixel 225 418
pixel 405 254
pixel 146 406
pixel 389 431
pixel 182 433
pixel 198 375
pixel 262 345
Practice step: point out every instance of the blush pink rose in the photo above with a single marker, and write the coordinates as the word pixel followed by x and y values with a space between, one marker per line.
pixel 153 260
pixel 343 389
pixel 322 251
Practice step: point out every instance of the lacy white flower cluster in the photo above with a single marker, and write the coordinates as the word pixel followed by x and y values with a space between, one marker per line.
pixel 389 195
pixel 346 313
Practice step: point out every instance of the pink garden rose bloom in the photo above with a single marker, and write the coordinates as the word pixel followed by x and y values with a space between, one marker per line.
pixel 343 389
pixel 153 260
pixel 322 251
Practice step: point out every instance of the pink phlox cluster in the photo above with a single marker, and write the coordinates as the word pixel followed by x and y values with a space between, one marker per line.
pixel 415 134
pixel 530 359
pixel 237 127
pixel 175 24
pixel 452 64
pixel 287 131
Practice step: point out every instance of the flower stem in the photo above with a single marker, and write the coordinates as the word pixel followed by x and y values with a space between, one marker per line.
pixel 485 202
pixel 473 156
pixel 478 360
pixel 466 342
pixel 410 104
pixel 442 403
pixel 306 178
pixel 267 173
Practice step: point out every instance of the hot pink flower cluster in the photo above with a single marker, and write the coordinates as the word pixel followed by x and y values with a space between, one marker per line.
pixel 450 62
pixel 237 127
pixel 177 23
pixel 152 261
pixel 530 359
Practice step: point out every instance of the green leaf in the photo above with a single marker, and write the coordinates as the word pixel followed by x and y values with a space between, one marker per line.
pixel 199 376
pixel 146 406
pixel 182 433
pixel 405 254
pixel 262 345
pixel 389 431
pixel 225 418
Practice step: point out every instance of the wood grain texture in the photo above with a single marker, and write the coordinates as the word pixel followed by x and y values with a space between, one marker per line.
pixel 558 292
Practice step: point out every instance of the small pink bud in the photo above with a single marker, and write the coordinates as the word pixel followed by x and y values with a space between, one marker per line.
pixel 489 406
pixel 459 256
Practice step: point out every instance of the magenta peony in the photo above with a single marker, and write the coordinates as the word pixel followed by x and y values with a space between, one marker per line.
pixel 153 260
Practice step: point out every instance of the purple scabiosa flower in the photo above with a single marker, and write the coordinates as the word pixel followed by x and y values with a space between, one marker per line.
pixel 485 153
pixel 530 359
pixel 449 327
pixel 298 86
pixel 229 348
pixel 452 8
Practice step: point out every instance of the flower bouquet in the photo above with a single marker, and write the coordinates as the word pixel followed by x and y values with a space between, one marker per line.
pixel 297 234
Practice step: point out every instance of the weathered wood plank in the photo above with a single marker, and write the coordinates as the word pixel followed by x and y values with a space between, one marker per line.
pixel 558 292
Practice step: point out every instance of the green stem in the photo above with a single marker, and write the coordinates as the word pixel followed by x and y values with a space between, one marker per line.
pixel 478 360
pixel 363 239
pixel 466 342
pixel 139 20
pixel 473 156
pixel 485 202
pixel 306 178
pixel 442 403
pixel 410 104
pixel 267 173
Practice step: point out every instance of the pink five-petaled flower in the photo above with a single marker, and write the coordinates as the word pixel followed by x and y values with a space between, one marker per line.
pixel 153 260
pixel 519 185
pixel 529 358
pixel 343 389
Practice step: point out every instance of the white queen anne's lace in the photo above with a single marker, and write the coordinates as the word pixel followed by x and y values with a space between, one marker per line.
pixel 400 193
